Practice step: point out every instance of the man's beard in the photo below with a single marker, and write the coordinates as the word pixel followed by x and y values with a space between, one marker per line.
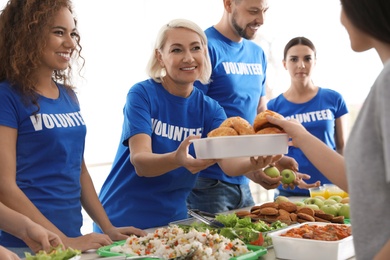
pixel 240 31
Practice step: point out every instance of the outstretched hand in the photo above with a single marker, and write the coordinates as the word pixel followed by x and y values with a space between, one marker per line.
pixel 264 180
pixel 287 162
pixel 301 183
pixel 293 128
pixel 260 162
pixel 297 133
pixel 183 158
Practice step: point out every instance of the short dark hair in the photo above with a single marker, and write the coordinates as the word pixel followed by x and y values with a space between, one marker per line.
pixel 370 16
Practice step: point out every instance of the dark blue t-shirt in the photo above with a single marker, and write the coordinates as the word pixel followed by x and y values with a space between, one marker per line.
pixel 146 202
pixel 49 153
pixel 318 116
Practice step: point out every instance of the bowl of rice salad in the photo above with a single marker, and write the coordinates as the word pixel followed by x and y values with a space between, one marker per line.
pixel 172 242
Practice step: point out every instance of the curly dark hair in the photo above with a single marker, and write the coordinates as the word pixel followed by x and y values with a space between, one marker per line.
pixel 22 23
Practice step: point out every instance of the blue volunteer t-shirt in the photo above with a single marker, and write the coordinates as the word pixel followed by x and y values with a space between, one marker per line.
pixel 237 83
pixel 49 152
pixel 318 116
pixel 146 202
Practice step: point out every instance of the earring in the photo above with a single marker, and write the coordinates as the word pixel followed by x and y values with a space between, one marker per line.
pixel 163 72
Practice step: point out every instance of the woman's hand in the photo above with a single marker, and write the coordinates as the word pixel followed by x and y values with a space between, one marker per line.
pixel 250 168
pixel 123 233
pixel 293 128
pixel 186 160
pixel 287 162
pixel 39 238
pixel 7 254
pixel 87 242
pixel 300 182
pixel 264 180
pixel 261 162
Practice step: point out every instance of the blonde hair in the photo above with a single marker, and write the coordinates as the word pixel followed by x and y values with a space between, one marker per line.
pixel 154 68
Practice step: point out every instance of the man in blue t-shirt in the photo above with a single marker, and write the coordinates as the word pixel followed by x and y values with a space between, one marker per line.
pixel 238 84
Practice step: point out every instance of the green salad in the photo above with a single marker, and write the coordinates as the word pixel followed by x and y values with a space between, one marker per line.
pixel 254 233
pixel 56 254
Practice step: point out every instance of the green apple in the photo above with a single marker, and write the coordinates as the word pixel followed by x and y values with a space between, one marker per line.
pixel 272 171
pixel 330 202
pixel 279 199
pixel 336 198
pixel 338 205
pixel 299 203
pixel 312 206
pixel 288 176
pixel 330 209
pixel 344 210
pixel 314 201
pixel 320 197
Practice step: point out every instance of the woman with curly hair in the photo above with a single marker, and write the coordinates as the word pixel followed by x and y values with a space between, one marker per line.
pixel 42 132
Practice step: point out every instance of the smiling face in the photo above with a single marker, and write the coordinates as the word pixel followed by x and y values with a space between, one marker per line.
pixel 183 57
pixel 60 42
pixel 247 17
pixel 300 62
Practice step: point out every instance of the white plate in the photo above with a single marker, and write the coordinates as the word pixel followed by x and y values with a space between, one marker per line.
pixel 309 249
pixel 240 146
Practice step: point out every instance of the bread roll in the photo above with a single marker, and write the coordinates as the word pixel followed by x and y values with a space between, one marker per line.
pixel 270 130
pixel 261 121
pixel 242 126
pixel 222 131
pixel 233 126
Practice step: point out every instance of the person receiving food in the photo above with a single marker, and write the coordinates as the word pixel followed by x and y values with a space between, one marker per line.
pixel 42 132
pixel 364 171
pixel 155 167
pixel 321 111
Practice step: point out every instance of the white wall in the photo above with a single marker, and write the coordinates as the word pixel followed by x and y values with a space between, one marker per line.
pixel 117 37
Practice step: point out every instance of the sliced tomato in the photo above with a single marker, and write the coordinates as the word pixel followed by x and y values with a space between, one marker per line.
pixel 259 241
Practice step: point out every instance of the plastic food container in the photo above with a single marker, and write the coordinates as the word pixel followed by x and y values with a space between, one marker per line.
pixel 240 146
pixel 317 191
pixel 308 249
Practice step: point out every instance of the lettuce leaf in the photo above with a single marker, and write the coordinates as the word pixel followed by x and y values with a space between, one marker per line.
pixel 56 254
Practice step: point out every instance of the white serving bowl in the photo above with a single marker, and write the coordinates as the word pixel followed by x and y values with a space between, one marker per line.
pixel 240 146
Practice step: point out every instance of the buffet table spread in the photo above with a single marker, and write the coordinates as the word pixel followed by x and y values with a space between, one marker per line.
pixel 270 255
